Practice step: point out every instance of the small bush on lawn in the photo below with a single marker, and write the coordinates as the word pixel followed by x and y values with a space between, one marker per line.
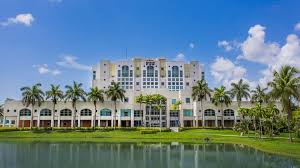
pixel 149 131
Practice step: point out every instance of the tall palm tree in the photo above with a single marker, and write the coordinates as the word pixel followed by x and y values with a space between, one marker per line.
pixel 95 95
pixel 55 94
pixel 149 101
pixel 74 93
pixel 259 95
pixel 160 101
pixel 221 97
pixel 200 92
pixel 115 93
pixel 140 99
pixel 239 91
pixel 32 96
pixel 284 87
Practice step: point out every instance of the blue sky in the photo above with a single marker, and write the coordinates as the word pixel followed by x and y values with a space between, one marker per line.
pixel 56 41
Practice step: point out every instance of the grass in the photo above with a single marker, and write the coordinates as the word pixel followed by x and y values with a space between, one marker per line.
pixel 277 145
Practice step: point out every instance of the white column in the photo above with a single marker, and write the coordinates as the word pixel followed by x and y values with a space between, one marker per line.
pixel 79 120
pixel 38 119
pixel 93 118
pixel 119 119
pixel 58 120
pixel 18 119
pixel 132 118
pixel 99 117
pixel 216 121
pixel 72 119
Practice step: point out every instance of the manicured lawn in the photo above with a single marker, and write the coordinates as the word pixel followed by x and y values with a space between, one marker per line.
pixel 278 145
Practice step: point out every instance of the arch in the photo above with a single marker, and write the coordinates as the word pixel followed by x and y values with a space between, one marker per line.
pixel 209 112
pixel 175 71
pixel 65 112
pixel 86 112
pixel 228 112
pixel 25 112
pixel 105 112
pixel 150 71
pixel 125 71
pixel 45 112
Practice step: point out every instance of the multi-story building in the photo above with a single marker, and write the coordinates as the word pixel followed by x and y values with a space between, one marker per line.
pixel 172 79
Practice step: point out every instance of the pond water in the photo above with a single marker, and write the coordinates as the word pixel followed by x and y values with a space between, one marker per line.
pixel 135 155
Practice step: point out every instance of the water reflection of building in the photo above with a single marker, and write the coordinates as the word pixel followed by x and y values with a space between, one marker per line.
pixel 132 155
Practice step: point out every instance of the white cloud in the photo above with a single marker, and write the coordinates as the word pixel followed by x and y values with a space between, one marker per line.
pixel 270 54
pixel 180 57
pixel 25 19
pixel 255 49
pixel 225 44
pixel 70 61
pixel 44 69
pixel 297 27
pixel 192 45
pixel 224 70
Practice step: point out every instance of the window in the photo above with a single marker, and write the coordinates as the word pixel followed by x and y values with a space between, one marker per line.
pixel 86 112
pixel 66 112
pixel 173 101
pixel 209 112
pixel 162 83
pixel 25 112
pixel 137 83
pixel 175 71
pixel 138 113
pixel 105 112
pixel 125 112
pixel 187 100
pixel 188 112
pixel 187 83
pixel 137 68
pixel 94 75
pixel 174 113
pixel 125 71
pixel 150 71
pixel 45 112
pixel 228 112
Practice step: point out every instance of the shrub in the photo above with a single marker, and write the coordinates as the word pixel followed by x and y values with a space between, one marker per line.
pixel 148 131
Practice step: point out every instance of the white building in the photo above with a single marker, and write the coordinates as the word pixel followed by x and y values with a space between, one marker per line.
pixel 172 79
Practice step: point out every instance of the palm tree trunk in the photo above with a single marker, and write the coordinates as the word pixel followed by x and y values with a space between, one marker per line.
pixel 94 120
pixel 31 119
pixel 289 125
pixel 203 119
pixel 53 113
pixel 115 113
pixel 222 116
pixel 150 107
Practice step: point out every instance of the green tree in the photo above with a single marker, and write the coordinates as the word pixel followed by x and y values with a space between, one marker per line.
pixel 140 100
pixel 54 94
pixel 259 95
pixel 95 95
pixel 32 96
pixel 74 94
pixel 200 92
pixel 272 114
pixel 149 101
pixel 160 102
pixel 220 98
pixel 239 91
pixel 285 87
pixel 115 93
